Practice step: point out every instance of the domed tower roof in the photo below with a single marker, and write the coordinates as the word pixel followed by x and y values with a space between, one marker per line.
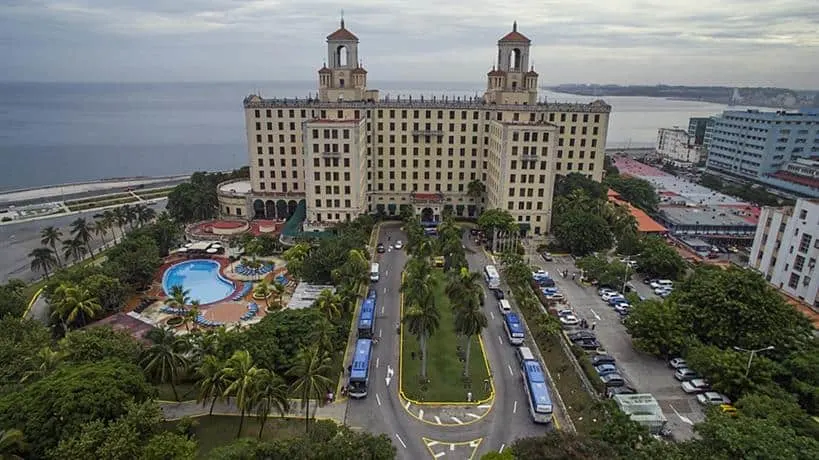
pixel 496 73
pixel 342 34
pixel 514 36
pixel 324 69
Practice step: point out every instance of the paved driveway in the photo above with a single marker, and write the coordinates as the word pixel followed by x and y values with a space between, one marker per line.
pixel 645 373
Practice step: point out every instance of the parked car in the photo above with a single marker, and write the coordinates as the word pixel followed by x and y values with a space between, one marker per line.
pixel 623 390
pixel 555 296
pixel 676 363
pixel 609 295
pixel 622 308
pixel 602 359
pixel 498 293
pixel 712 398
pixel 588 344
pixel 604 290
pixel 661 290
pixel 545 282
pixel 650 280
pixel 695 386
pixel 581 335
pixel 616 299
pixel 613 380
pixel 569 320
pixel 685 374
pixel 665 294
pixel 380 248
pixel 547 257
pixel 399 244
pixel 604 369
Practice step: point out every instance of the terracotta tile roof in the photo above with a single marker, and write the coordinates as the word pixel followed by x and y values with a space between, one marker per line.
pixel 645 224
pixel 342 34
pixel 515 36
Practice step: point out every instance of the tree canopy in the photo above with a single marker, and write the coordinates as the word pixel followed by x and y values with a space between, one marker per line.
pixel 197 199
pixel 658 259
pixel 638 192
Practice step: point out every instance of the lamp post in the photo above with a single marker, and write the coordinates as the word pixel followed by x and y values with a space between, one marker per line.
pixel 751 358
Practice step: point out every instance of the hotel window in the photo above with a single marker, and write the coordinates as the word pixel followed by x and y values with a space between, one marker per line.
pixel 793 282
pixel 804 244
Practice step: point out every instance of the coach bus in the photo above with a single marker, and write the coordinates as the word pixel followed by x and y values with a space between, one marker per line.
pixel 490 274
pixel 514 330
pixel 537 392
pixel 360 369
pixel 366 319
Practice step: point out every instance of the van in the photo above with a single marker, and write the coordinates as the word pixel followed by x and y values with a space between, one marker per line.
pixel 524 354
pixel 504 306
pixel 374 274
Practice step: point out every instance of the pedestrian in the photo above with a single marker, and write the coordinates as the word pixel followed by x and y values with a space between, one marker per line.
pixel 349 369
pixel 573 275
pixel 594 324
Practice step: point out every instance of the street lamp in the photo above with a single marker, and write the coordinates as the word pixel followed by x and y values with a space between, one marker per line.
pixel 751 358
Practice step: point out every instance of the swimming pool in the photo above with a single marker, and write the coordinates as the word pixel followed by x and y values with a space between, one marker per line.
pixel 201 278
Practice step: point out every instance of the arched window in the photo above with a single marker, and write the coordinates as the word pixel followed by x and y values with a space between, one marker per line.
pixel 341 56
pixel 515 59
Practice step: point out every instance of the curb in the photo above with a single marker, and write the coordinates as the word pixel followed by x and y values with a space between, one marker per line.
pixel 73 213
pixel 32 301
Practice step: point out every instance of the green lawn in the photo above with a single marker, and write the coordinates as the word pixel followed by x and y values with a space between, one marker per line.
pixel 186 391
pixel 445 368
pixel 213 431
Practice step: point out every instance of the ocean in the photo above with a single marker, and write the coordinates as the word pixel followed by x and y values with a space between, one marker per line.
pixel 58 133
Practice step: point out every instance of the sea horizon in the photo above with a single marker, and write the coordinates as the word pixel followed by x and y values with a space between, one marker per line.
pixel 54 133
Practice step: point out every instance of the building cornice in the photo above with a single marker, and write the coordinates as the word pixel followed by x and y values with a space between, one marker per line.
pixel 256 102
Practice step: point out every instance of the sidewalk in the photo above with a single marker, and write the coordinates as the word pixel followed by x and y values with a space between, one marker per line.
pixel 337 411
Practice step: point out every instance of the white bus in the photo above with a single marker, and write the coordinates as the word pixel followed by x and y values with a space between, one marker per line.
pixel 374 275
pixel 490 274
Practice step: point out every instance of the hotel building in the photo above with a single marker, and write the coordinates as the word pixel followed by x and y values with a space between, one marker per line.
pixel 349 151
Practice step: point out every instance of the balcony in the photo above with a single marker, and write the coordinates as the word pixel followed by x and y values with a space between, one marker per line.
pixel 430 197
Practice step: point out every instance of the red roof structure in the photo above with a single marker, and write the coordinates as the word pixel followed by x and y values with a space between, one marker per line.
pixel 342 34
pixel 514 36
pixel 645 224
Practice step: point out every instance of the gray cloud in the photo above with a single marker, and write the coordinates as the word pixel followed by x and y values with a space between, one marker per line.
pixel 735 42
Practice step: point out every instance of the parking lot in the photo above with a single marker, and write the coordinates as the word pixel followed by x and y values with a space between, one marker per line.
pixel 645 373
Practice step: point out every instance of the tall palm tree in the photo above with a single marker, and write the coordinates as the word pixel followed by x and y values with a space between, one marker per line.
pixel 422 320
pixel 264 290
pixel 270 393
pixel 212 382
pixel 295 257
pixel 100 228
pixel 71 303
pixel 129 214
pixel 469 321
pixel 329 303
pixel 11 444
pixel 120 218
pixel 462 284
pixel 109 220
pixel 74 249
pixel 82 232
pixel 43 259
pixel 166 359
pixel 178 296
pixel 311 368
pixel 241 376
pixel 189 317
pixel 50 236
pixel 278 290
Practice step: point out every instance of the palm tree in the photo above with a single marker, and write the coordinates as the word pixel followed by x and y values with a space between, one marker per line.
pixel 45 361
pixel 469 322
pixel 43 259
pixel 422 320
pixel 11 444
pixel 212 382
pixel 74 249
pixel 100 228
pixel 264 290
pixel 129 214
pixel 82 232
pixel 463 284
pixel 189 317
pixel 178 296
pixel 119 216
pixel 50 236
pixel 310 369
pixel 166 359
pixel 329 303
pixel 241 376
pixel 70 303
pixel 270 393
pixel 278 290
pixel 295 257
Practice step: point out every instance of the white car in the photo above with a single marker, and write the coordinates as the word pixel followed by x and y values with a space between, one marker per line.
pixel 607 296
pixel 603 291
pixel 695 386
pixel 662 290
pixel 677 363
pixel 555 296
pixel 569 320
pixel 399 244
pixel 712 398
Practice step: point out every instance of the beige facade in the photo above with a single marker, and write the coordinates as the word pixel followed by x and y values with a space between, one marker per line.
pixel 420 152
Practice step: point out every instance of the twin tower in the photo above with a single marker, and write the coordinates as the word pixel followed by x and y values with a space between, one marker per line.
pixel 343 78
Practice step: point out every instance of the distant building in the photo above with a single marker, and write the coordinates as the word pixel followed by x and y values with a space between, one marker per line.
pixel 675 145
pixel 803 167
pixel 696 129
pixel 709 133
pixel 717 222
pixel 757 145
pixel 786 249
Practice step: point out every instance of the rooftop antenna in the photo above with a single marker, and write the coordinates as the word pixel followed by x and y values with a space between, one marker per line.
pixel 342 18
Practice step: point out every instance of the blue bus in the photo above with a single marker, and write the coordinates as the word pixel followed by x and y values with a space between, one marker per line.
pixel 360 369
pixel 366 319
pixel 514 330
pixel 371 294
pixel 534 382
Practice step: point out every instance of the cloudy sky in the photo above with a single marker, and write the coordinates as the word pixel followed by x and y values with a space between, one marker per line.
pixel 694 42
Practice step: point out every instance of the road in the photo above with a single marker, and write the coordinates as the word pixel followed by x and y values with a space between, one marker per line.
pixel 17 240
pixel 645 373
pixel 382 411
